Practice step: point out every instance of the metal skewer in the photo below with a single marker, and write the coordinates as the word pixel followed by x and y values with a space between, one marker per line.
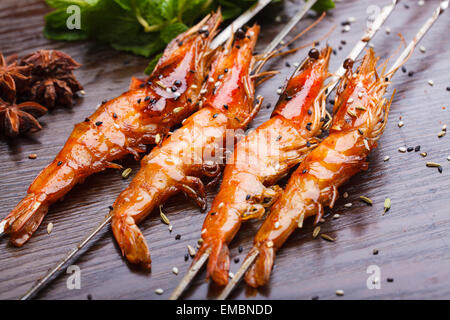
pixel 400 60
pixel 239 22
pixel 218 40
pixel 195 268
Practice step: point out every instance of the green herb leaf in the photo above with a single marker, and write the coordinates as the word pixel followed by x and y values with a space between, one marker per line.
pixel 152 64
pixel 142 27
pixel 171 31
pixel 323 5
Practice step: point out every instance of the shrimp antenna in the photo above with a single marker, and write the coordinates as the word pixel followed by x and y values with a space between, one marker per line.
pixel 404 56
pixel 268 51
pixel 356 51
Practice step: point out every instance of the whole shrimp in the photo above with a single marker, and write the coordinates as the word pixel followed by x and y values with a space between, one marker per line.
pixel 360 115
pixel 264 157
pixel 182 159
pixel 123 125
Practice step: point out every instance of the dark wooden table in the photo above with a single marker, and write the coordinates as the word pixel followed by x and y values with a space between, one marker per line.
pixel 412 238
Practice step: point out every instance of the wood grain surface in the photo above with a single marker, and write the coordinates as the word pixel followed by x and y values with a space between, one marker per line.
pixel 412 238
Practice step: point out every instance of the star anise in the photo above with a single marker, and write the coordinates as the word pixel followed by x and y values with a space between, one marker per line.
pixel 12 77
pixel 20 118
pixel 52 80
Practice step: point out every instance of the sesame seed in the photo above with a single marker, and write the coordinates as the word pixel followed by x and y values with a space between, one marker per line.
pixel 49 228
pixel 159 291
pixel 431 82
pixel 386 158
pixel 402 149
pixel 400 124
pixel 340 292
pixel 175 270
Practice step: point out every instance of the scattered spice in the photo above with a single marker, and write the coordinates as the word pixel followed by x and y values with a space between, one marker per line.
pixel 20 118
pixel 178 237
pixel 191 250
pixel 423 154
pixel 159 291
pixel 375 252
pixel 339 293
pixel 390 279
pixel 32 156
pixel 366 200
pixel 126 173
pixel 157 138
pixel 433 164
pixel 316 232
pixel 175 270
pixel 52 80
pixel 327 237
pixel 402 149
pixel 163 216
pixel 387 204
pixel 386 158
pixel 49 228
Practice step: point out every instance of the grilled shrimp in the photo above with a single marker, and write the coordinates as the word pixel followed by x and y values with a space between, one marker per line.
pixel 360 115
pixel 121 126
pixel 264 157
pixel 183 158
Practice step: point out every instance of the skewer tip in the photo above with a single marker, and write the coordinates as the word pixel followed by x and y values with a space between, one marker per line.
pixel 187 279
pixel 238 276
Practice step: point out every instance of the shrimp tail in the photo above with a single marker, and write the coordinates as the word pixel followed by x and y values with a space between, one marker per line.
pixel 219 262
pixel 259 272
pixel 131 241
pixel 25 219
